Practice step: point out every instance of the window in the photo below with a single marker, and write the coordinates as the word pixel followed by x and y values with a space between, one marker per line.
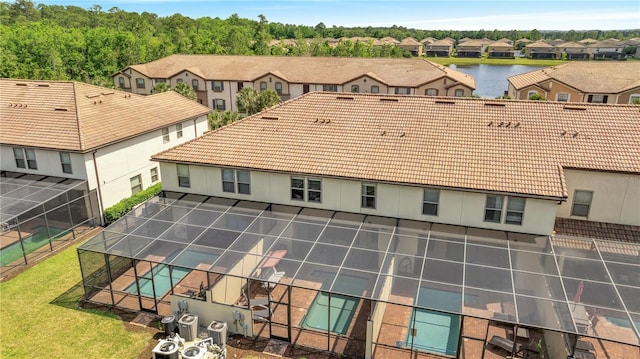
pixel 121 82
pixel 178 81
pixel 297 188
pixel 136 184
pixel 165 135
pixel 18 154
pixel 330 88
pixel 431 92
pixel 179 130
pixel 531 93
pixel 140 83
pixel 515 210
pixel 195 84
pixel 65 161
pixel 279 88
pixel 31 159
pixel 183 176
pixel 355 88
pixel 403 90
pixel 263 85
pixel 581 203
pixel 430 200
pixel 240 85
pixel 154 174
pixel 597 98
pixel 375 89
pixel 217 86
pixel 161 81
pixel 368 196
pixel 562 97
pixel 634 99
pixel 219 104
pixel 229 182
pixel 313 188
pixel 458 93
pixel 493 209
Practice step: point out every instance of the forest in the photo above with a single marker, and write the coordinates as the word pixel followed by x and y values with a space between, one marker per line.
pixel 53 42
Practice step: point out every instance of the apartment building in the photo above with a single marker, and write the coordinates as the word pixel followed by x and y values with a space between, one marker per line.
pixel 217 79
pixel 103 136
pixel 594 82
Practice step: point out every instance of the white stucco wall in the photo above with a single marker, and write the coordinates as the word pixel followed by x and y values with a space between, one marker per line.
pixel 121 161
pixel 455 207
pixel 48 162
pixel 616 196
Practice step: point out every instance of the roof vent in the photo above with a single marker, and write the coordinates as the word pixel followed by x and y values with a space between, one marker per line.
pixel 448 102
pixel 43 85
pixel 516 125
pixel 383 133
pixel 573 107
pixel 490 123
pixel 93 95
pixel 269 118
pixel 21 84
pixel 344 98
pixel 496 104
pixel 563 133
pixel 108 93
pixel 60 109
pixel 401 134
pixel 386 99
pixel 575 134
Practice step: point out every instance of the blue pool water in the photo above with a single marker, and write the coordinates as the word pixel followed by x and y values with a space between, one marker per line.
pixel 160 279
pixel 32 243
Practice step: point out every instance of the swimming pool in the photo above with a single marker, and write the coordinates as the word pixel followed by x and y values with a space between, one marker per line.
pixel 433 331
pixel 160 279
pixel 334 315
pixel 32 243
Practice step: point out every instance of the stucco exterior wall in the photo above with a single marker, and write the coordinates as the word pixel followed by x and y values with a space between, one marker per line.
pixel 121 161
pixel 616 196
pixel 271 80
pixel 397 201
pixel 48 162
pixel 364 83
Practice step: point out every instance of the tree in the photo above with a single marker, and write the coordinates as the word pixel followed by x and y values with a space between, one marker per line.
pixel 218 119
pixel 251 101
pixel 185 90
pixel 268 98
pixel 161 87
pixel 537 97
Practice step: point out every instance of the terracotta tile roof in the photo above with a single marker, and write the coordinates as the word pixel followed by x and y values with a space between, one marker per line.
pixel 571 44
pixel 318 70
pixel 538 44
pixel 472 43
pixel 479 144
pixel 410 41
pixel 598 230
pixel 608 43
pixel 588 77
pixel 75 116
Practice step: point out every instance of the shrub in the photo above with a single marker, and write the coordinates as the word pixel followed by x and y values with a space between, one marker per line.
pixel 121 208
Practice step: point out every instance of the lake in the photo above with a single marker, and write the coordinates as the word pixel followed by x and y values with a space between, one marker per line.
pixel 491 80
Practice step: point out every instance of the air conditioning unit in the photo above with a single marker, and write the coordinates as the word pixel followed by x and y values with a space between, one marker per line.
pixel 189 327
pixel 194 352
pixel 166 350
pixel 218 332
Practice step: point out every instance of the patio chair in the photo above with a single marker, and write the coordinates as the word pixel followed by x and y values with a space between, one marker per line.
pixel 504 343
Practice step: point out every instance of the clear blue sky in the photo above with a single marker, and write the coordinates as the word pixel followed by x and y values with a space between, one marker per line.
pixel 419 14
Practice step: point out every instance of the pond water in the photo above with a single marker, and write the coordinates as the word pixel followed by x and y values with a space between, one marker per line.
pixel 491 80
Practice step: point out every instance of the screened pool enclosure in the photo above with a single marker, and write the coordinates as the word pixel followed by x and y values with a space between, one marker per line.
pixel 37 213
pixel 357 284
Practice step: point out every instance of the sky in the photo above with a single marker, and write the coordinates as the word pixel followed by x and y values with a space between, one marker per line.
pixel 417 14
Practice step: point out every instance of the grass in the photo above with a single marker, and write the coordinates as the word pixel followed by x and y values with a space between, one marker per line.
pixel 464 61
pixel 40 318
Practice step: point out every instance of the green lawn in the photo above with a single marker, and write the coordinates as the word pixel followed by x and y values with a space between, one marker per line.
pixel 476 61
pixel 36 323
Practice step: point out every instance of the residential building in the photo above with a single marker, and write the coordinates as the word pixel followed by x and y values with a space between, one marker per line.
pixel 572 51
pixel 521 43
pixel 539 50
pixel 597 82
pixel 471 48
pixel 84 132
pixel 500 49
pixel 610 49
pixel 588 41
pixel 439 48
pixel 217 79
pixel 395 210
pixel 412 45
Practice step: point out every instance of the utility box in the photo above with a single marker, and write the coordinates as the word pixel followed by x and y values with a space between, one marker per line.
pixel 218 332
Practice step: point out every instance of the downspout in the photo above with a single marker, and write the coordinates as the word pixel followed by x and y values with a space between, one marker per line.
pixel 95 167
pixel 230 96
pixel 195 128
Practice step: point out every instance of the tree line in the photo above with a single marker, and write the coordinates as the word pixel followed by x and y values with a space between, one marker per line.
pixel 56 42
